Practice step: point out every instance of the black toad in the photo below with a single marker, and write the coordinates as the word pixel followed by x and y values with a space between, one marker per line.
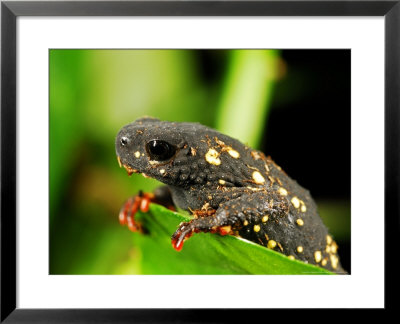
pixel 229 188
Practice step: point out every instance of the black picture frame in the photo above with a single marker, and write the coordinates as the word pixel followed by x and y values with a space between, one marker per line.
pixel 10 10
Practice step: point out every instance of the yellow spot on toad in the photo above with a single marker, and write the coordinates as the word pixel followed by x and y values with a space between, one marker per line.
pixel 300 249
pixel 334 247
pixel 255 189
pixel 271 244
pixel 324 262
pixel 295 202
pixel 303 208
pixel 258 178
pixel 317 256
pixel 291 257
pixel 222 182
pixel 205 206
pixel 328 239
pixel 300 222
pixel 233 153
pixel 137 154
pixel 257 228
pixel 212 157
pixel 334 261
pixel 162 171
pixel 264 219
pixel 282 191
pixel 224 230
pixel 245 223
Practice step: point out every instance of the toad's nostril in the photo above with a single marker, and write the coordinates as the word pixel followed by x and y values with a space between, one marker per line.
pixel 124 141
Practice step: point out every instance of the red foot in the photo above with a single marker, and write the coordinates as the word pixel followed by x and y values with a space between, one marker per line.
pixel 131 207
pixel 184 232
pixel 177 245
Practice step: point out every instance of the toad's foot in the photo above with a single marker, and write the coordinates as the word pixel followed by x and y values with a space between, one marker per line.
pixel 131 207
pixel 141 202
pixel 205 224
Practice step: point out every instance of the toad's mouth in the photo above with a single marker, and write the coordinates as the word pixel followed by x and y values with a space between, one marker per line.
pixel 127 167
pixel 130 170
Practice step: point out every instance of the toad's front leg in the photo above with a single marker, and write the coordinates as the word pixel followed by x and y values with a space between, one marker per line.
pixel 233 215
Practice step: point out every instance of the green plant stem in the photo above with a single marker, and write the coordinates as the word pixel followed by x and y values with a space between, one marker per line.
pixel 247 94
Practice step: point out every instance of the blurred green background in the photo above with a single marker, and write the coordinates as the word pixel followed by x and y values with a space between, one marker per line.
pixel 93 93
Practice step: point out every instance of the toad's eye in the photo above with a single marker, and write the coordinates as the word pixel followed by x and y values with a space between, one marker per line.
pixel 160 150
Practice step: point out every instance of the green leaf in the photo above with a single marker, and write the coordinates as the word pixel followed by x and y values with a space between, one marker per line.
pixel 206 253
